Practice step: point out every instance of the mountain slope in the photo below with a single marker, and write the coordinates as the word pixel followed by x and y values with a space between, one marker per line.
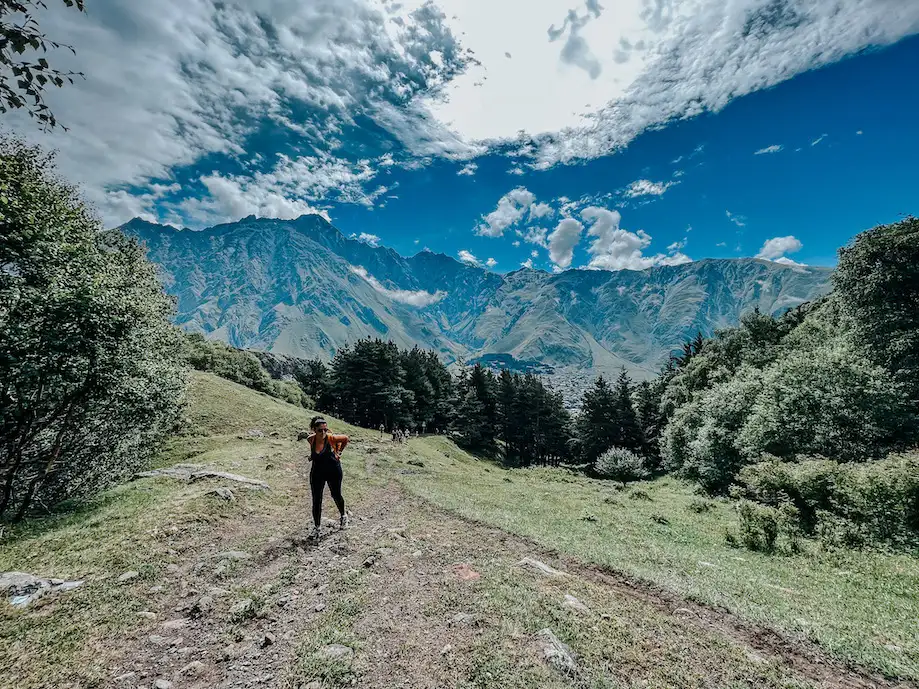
pixel 300 287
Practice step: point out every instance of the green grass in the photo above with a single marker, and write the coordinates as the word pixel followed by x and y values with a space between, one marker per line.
pixel 860 606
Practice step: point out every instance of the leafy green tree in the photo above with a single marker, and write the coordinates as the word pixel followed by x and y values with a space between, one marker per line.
pixel 650 420
pixel 23 81
pixel 877 281
pixel 90 372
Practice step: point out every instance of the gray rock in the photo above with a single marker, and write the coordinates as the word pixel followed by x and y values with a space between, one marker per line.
pixel 337 652
pixel 573 603
pixel 162 684
pixel 223 493
pixel 255 433
pixel 147 615
pixel 126 677
pixel 22 588
pixel 173 625
pixel 128 576
pixel 157 640
pixel 462 618
pixel 172 568
pixel 557 654
pixel 541 568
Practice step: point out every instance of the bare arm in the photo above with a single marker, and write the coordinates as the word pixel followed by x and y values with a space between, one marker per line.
pixel 339 443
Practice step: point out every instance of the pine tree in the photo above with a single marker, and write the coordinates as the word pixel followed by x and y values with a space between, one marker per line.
pixel 598 424
pixel 629 435
pixel 650 420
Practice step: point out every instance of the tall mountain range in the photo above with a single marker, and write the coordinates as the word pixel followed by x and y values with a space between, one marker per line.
pixel 300 287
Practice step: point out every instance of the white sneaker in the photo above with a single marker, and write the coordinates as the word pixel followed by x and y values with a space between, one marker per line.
pixel 343 522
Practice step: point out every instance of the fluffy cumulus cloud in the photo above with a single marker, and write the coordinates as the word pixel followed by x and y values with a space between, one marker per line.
pixel 775 249
pixel 614 248
pixel 468 258
pixel 775 148
pixel 645 187
pixel 511 209
pixel 562 241
pixel 418 298
pixel 468 169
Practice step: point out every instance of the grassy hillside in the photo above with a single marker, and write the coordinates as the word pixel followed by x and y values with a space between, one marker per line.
pixel 229 591
pixel 862 606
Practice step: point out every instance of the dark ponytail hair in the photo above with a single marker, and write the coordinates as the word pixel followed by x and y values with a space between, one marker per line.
pixel 316 421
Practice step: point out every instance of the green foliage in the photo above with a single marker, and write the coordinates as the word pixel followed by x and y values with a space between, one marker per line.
pixel 22 81
pixel 608 419
pixel 759 526
pixel 872 503
pixel 90 380
pixel 877 281
pixel 241 367
pixel 826 401
pixel 621 464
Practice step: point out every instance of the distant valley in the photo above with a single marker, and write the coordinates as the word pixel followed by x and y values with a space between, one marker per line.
pixel 300 287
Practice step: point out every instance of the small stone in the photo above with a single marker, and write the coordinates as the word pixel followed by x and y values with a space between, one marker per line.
pixel 147 615
pixel 172 568
pixel 202 606
pixel 194 669
pixel 417 553
pixel 541 568
pixel 267 640
pixel 157 640
pixel 128 576
pixel 173 625
pixel 369 561
pixel 234 555
pixel 319 607
pixel 223 493
pixel 463 618
pixel 684 612
pixel 446 649
pixel 573 603
pixel 162 684
pixel 155 589
pixel 126 676
pixel 557 654
pixel 702 563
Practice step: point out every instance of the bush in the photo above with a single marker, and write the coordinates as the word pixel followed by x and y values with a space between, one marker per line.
pixel 620 464
pixel 90 374
pixel 759 526
pixel 700 506
pixel 855 504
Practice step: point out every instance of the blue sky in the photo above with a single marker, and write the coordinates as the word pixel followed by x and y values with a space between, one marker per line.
pixel 556 135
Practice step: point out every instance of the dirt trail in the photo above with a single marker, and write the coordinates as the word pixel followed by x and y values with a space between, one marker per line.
pixel 412 597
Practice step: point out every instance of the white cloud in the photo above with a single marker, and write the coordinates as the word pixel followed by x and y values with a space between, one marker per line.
pixel 516 242
pixel 562 241
pixel 738 220
pixel 511 208
pixel 775 148
pixel 818 139
pixel 775 249
pixel 491 263
pixel 534 253
pixel 527 263
pixel 859 132
pixel 645 187
pixel 617 249
pixel 468 169
pixel 516 170
pixel 467 258
pixel 368 238
pixel 541 210
pixel 784 260
pixel 418 298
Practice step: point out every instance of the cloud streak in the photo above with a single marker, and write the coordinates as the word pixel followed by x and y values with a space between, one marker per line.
pixel 418 298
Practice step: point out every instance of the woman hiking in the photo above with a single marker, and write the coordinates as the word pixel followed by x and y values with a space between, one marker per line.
pixel 325 458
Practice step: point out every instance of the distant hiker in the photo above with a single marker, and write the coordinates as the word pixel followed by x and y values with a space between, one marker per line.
pixel 424 426
pixel 382 430
pixel 325 458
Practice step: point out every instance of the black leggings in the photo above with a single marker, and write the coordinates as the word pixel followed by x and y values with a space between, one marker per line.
pixel 321 473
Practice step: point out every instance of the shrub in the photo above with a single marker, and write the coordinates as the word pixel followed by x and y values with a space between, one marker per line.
pixel 759 526
pixel 90 373
pixel 620 464
pixel 700 506
pixel 869 503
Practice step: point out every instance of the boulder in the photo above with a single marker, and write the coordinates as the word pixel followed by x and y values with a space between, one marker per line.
pixel 21 588
pixel 337 652
pixel 555 653
pixel 573 603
